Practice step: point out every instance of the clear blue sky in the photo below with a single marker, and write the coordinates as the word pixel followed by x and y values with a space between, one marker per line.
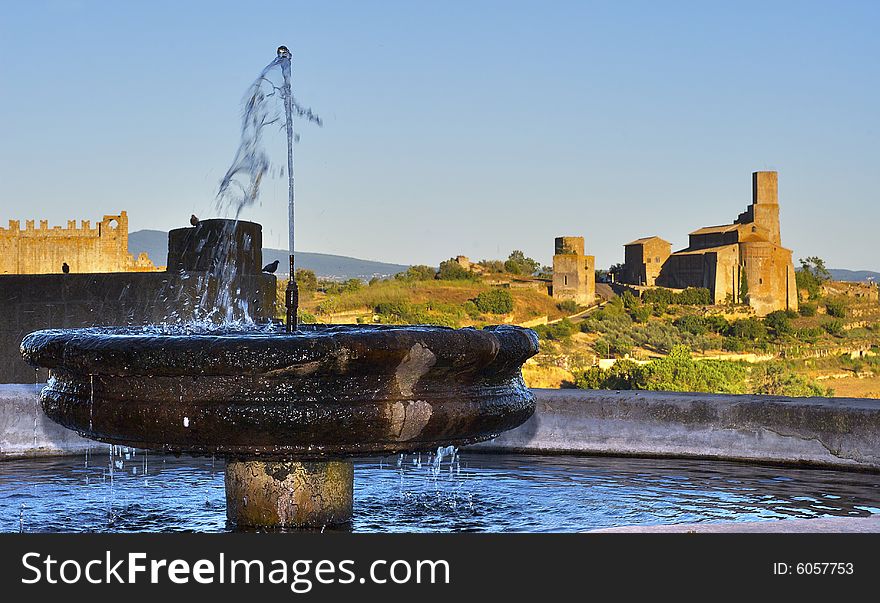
pixel 455 127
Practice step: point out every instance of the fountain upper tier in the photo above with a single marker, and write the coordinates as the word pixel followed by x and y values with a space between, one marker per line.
pixel 326 391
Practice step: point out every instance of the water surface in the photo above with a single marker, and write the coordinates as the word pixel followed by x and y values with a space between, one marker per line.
pixel 474 492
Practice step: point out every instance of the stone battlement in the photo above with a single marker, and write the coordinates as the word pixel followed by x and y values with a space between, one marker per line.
pixel 44 250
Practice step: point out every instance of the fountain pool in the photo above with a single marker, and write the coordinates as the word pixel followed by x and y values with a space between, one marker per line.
pixel 473 492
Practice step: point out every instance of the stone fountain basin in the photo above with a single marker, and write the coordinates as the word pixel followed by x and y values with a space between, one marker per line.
pixel 324 392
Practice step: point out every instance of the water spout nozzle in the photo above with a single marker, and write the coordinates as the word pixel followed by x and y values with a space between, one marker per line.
pixel 283 52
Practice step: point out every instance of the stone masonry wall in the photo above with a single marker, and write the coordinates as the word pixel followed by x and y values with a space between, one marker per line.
pixel 43 250
pixel 44 301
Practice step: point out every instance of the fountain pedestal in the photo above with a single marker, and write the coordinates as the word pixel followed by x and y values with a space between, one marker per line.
pixel 289 494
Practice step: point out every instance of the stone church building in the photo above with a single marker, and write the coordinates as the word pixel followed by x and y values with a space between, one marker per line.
pixel 741 262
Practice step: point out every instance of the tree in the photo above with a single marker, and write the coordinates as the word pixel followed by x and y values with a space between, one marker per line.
pixel 747 328
pixel 450 270
pixel 615 272
pixel 816 266
pixel 306 280
pixel 779 323
pixel 496 266
pixel 691 323
pixel 811 275
pixel 417 273
pixel 743 287
pixel 518 263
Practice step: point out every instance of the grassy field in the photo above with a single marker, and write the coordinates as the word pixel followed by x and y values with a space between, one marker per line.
pixel 444 302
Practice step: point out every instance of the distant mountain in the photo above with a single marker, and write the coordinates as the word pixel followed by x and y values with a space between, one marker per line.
pixel 155 243
pixel 840 274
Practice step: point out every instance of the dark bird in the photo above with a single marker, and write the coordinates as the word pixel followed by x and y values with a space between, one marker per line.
pixel 271 268
pixel 65 268
pixel 193 220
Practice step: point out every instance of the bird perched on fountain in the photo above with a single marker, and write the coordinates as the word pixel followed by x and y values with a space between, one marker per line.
pixel 65 268
pixel 271 268
pixel 193 220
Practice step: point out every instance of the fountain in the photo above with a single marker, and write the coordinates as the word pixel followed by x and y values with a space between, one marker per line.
pixel 288 407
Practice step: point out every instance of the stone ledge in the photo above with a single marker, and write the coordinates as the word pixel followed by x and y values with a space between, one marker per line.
pixel 828 432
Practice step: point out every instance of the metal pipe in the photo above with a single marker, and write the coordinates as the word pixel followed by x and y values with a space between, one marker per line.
pixel 291 299
pixel 292 292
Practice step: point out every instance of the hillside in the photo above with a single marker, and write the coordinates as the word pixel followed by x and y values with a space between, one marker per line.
pixel 440 302
pixel 328 266
pixel 841 274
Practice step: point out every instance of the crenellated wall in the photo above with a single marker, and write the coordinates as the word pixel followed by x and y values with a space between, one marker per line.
pixel 85 249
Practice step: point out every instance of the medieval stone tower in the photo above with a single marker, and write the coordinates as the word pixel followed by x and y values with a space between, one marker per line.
pixel 574 274
pixel 763 213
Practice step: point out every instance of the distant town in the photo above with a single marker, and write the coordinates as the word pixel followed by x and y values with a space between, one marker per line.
pixel 731 312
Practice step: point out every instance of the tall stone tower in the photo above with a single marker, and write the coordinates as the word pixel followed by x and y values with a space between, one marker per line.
pixel 574 274
pixel 763 213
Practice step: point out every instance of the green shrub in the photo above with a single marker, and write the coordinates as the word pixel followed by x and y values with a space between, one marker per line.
pixel 694 296
pixel 557 330
pixel 629 300
pixel 809 334
pixel 393 309
pixel 612 345
pixel 659 308
pixel 471 309
pixel 495 301
pixel 328 306
pixel 349 286
pixel 640 314
pixel 623 374
pixel 734 344
pixel 779 322
pixel 417 273
pixel 835 308
pixel 834 327
pixel 676 372
pixel 450 270
pixel 747 328
pixel 690 323
pixel 658 296
pixel 807 309
pixel 716 324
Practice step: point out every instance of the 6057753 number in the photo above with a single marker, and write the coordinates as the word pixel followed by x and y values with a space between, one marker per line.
pixel 818 568
pixel 824 567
